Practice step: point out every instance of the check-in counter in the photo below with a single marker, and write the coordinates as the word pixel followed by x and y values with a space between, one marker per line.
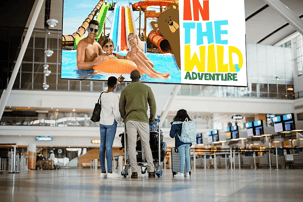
pixel 298 160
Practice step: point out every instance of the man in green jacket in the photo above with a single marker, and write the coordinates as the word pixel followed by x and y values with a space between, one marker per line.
pixel 133 106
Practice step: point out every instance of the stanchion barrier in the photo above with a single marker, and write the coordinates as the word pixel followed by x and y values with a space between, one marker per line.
pixel 269 159
pixel 225 162
pixel 204 161
pixel 239 158
pixel 215 161
pixel 277 159
pixel 231 160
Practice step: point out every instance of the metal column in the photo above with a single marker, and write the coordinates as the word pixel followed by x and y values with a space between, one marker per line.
pixel 255 160
pixel 269 160
pixel 205 161
pixel 231 160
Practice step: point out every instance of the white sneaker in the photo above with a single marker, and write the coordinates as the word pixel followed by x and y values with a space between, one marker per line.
pixel 187 175
pixel 103 175
pixel 179 175
pixel 113 176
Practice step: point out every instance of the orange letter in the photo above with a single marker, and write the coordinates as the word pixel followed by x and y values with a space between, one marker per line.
pixel 187 10
pixel 203 11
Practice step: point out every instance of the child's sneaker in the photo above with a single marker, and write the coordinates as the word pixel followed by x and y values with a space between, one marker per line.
pixel 179 175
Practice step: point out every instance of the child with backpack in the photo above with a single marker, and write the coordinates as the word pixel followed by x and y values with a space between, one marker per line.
pixel 184 132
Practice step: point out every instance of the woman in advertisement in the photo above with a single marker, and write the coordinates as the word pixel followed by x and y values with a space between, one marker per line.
pixel 139 58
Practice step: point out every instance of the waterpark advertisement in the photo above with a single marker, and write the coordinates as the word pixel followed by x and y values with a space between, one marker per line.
pixel 203 42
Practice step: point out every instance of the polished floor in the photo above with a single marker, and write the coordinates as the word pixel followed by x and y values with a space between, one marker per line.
pixel 204 185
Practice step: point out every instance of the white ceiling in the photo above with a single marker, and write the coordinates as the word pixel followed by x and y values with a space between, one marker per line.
pixel 266 26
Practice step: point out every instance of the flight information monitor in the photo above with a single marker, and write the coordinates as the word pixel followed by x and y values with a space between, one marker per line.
pixel 227 129
pixel 278 127
pixel 210 139
pixel 235 134
pixel 215 138
pixel 234 128
pixel 250 132
pixel 249 125
pixel 258 125
pixel 287 117
pixel 276 119
pixel 289 125
pixel 228 135
pixel 209 133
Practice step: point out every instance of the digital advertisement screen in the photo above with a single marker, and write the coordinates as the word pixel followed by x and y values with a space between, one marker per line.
pixel 278 127
pixel 228 135
pixel 199 46
pixel 249 125
pixel 289 125
pixel 276 119
pixel 250 132
pixel 235 134
pixel 287 117
pixel 210 139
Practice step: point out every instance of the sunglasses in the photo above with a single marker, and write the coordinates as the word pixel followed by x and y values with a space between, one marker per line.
pixel 106 46
pixel 132 39
pixel 92 29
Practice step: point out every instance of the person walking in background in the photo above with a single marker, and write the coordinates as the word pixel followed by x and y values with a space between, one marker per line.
pixel 183 148
pixel 133 106
pixel 108 126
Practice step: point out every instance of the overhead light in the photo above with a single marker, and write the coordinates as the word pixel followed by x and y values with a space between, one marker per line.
pixel 52 22
pixel 47 72
pixel 290 89
pixel 49 53
pixel 45 86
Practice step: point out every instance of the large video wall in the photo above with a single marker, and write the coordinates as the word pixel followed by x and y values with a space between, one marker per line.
pixel 205 42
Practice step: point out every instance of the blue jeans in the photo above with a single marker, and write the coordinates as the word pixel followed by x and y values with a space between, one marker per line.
pixel 107 136
pixel 184 157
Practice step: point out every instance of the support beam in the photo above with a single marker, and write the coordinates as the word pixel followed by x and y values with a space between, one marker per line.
pixel 167 106
pixel 287 14
pixel 7 93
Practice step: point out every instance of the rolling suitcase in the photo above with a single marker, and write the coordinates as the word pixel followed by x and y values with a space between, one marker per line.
pixel 176 161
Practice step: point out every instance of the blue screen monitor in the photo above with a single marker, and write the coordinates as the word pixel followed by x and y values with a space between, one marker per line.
pixel 258 123
pixel 214 132
pixel 210 139
pixel 250 132
pixel 199 135
pixel 276 119
pixel 209 133
pixel 235 134
pixel 227 129
pixel 278 127
pixel 289 125
pixel 228 135
pixel 259 130
pixel 215 138
pixel 287 117
pixel 199 140
pixel 234 128
pixel 249 125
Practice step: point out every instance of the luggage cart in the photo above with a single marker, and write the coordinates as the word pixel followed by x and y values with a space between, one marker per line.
pixel 154 129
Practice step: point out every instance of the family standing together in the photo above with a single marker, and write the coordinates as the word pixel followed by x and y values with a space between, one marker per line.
pixel 90 53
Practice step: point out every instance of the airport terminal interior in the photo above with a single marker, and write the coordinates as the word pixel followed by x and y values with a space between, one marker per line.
pixel 249 139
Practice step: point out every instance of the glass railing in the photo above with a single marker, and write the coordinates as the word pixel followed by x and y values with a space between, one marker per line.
pixel 238 94
pixel 60 122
